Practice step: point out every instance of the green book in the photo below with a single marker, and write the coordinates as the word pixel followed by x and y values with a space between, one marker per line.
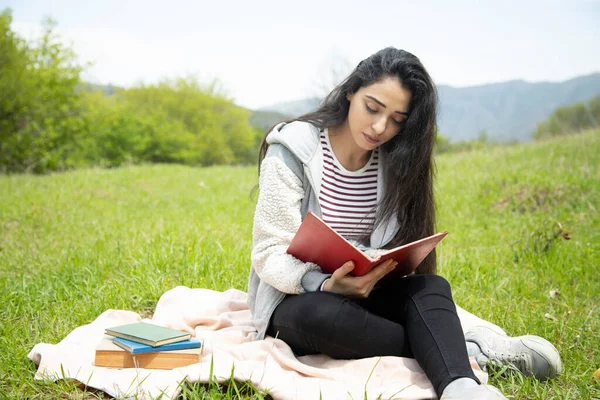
pixel 152 335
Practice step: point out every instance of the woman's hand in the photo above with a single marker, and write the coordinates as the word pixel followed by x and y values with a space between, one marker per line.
pixel 357 286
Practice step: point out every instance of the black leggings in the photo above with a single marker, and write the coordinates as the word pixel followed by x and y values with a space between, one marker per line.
pixel 413 316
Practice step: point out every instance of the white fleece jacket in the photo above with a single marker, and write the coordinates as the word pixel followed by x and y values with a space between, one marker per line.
pixel 289 185
pixel 276 221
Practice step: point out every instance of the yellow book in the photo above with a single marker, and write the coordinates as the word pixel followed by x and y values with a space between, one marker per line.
pixel 110 355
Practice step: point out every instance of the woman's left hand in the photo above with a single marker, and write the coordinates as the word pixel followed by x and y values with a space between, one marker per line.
pixel 357 286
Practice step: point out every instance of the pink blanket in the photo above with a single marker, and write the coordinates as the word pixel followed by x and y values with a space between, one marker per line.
pixel 222 321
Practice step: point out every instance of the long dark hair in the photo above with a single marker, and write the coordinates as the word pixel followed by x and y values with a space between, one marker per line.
pixel 409 168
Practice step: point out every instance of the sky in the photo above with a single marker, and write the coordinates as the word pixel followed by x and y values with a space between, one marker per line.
pixel 263 52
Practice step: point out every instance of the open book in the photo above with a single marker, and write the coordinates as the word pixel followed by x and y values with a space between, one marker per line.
pixel 318 243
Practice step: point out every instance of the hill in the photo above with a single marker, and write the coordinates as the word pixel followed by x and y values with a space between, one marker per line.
pixel 265 119
pixel 107 90
pixel 508 111
pixel 294 108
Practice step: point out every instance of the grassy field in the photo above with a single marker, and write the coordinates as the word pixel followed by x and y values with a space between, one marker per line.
pixel 523 221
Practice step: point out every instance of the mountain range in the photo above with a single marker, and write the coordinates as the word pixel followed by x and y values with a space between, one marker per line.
pixel 506 111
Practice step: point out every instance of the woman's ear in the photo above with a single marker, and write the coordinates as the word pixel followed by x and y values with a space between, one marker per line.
pixel 349 96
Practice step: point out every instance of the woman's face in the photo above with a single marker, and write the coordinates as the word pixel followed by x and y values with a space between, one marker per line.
pixel 377 112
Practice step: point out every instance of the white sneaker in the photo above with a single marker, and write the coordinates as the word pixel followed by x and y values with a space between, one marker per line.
pixel 532 355
pixel 468 389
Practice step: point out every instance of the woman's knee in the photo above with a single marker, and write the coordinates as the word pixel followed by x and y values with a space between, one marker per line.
pixel 309 312
pixel 427 283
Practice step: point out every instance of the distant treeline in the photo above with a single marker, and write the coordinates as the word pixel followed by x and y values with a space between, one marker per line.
pixel 50 120
pixel 443 144
pixel 570 119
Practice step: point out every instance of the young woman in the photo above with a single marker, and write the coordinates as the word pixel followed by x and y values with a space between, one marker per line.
pixel 363 162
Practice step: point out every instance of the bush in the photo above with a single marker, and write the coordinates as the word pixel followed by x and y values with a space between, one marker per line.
pixel 570 119
pixel 50 120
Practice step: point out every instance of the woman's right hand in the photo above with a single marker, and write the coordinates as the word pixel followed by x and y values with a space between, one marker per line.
pixel 357 286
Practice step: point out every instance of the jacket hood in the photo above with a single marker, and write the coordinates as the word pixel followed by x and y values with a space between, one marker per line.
pixel 301 138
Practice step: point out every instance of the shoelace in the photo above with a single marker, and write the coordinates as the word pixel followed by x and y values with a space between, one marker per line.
pixel 519 361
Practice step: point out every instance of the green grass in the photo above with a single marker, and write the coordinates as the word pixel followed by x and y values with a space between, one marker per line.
pixel 75 244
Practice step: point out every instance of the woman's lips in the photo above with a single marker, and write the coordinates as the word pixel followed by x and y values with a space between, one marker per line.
pixel 370 139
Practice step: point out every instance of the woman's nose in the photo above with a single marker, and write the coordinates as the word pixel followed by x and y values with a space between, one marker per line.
pixel 379 125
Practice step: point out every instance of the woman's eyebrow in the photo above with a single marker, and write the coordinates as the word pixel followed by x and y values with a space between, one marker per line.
pixel 383 105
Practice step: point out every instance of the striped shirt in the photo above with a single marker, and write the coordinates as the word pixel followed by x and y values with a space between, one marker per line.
pixel 348 198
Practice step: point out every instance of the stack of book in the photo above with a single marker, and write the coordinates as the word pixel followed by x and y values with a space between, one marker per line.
pixel 143 345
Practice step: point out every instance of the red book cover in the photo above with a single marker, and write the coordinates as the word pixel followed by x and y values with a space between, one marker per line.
pixel 318 243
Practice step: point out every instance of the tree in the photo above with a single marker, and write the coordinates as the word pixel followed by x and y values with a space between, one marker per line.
pixel 39 109
pixel 174 121
pixel 570 119
pixel 331 71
